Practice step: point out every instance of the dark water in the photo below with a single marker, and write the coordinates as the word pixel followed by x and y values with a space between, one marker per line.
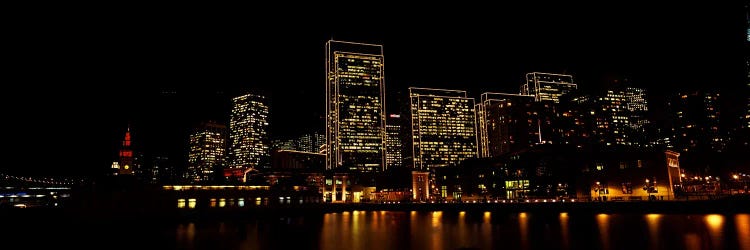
pixel 407 230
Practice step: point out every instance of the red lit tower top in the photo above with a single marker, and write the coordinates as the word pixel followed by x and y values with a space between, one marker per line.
pixel 126 155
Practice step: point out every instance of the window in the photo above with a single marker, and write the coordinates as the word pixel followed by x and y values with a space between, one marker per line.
pixel 627 188
pixel 599 166
pixel 443 191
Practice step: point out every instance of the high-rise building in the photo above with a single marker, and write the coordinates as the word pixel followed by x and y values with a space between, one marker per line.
pixel 620 117
pixel 126 155
pixel 249 132
pixel 506 122
pixel 207 152
pixel 694 119
pixel 394 147
pixel 355 106
pixel 310 142
pixel 443 126
pixel 547 86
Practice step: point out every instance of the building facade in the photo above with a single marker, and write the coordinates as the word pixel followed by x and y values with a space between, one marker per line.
pixel 548 86
pixel 443 126
pixel 207 153
pixel 394 146
pixel 249 132
pixel 694 118
pixel 355 107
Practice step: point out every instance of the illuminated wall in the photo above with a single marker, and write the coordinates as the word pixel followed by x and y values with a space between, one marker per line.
pixel 355 119
pixel 207 152
pixel 547 86
pixel 443 127
pixel 249 132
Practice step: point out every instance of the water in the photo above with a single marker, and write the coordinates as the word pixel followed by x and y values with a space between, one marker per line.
pixel 410 230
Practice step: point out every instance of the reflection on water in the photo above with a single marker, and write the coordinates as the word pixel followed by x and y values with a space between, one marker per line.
pixel 742 221
pixel 715 225
pixel 602 221
pixel 472 230
pixel 564 231
pixel 653 230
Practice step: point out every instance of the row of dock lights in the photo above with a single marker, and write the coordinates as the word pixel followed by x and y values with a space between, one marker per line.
pixel 498 201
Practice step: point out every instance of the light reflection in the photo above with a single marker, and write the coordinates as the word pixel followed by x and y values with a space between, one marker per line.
pixel 487 217
pixel 436 216
pixel 564 230
pixel 692 242
pixel 715 223
pixel 523 225
pixel 652 220
pixel 602 221
pixel 742 221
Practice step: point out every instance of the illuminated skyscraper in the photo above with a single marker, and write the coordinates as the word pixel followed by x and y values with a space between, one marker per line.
pixel 694 117
pixel 547 86
pixel 443 126
pixel 207 152
pixel 355 108
pixel 249 132
pixel 310 142
pixel 126 155
pixel 394 147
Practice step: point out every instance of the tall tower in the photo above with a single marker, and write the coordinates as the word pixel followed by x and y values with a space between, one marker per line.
pixel 443 126
pixel 394 147
pixel 548 86
pixel 249 132
pixel 207 152
pixel 355 106
pixel 126 155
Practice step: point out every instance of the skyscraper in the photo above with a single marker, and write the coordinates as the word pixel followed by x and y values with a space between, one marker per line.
pixel 443 127
pixel 694 118
pixel 394 147
pixel 310 142
pixel 547 86
pixel 355 106
pixel 207 152
pixel 249 132
pixel 620 117
pixel 506 122
pixel 126 155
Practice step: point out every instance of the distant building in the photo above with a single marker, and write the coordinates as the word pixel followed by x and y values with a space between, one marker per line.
pixel 620 117
pixel 207 152
pixel 443 127
pixel 355 106
pixel 126 156
pixel 548 86
pixel 695 122
pixel 310 142
pixel 284 144
pixel 249 132
pixel 394 146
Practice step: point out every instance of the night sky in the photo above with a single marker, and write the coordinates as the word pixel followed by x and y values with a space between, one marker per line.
pixel 75 79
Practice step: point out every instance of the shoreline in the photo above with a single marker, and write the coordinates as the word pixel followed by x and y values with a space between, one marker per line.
pixel 223 214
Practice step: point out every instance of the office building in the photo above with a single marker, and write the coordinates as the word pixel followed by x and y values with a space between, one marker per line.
pixel 694 118
pixel 249 132
pixel 207 152
pixel 443 126
pixel 547 86
pixel 394 146
pixel 355 106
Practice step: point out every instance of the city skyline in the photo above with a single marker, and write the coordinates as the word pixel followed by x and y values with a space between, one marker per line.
pixel 157 101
